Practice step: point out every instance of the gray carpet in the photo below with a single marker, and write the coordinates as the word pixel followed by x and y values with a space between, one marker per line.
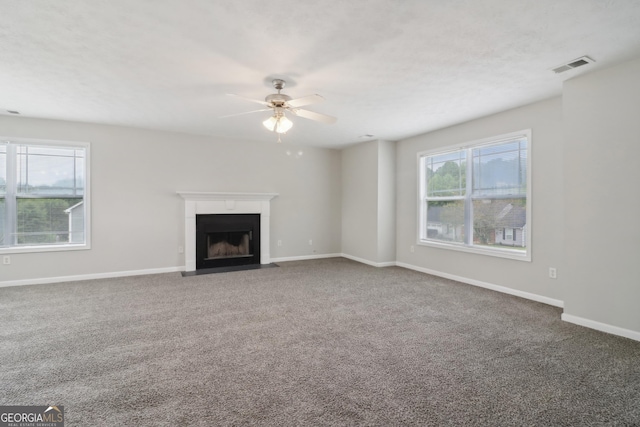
pixel 325 342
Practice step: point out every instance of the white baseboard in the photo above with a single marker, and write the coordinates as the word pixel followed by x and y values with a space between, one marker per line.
pixel 305 257
pixel 75 278
pixel 498 288
pixel 602 327
pixel 366 261
pixel 45 280
pixel 592 324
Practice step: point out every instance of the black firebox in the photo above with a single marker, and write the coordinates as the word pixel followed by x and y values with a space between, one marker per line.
pixel 225 240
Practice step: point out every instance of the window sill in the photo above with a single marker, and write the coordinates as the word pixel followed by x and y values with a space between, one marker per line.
pixel 497 252
pixel 48 248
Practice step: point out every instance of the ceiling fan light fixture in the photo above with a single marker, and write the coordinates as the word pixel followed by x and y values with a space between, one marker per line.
pixel 283 124
pixel 270 123
pixel 278 123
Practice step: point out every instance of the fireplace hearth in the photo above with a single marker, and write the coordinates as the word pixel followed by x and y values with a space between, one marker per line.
pixel 225 240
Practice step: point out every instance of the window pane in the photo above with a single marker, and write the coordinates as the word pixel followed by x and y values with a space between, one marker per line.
pixel 76 222
pixel 500 169
pixel 500 222
pixel 44 221
pixel 445 221
pixel 50 171
pixel 3 168
pixel 79 175
pixel 2 221
pixel 446 174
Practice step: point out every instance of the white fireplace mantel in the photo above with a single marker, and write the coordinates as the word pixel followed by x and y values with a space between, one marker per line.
pixel 204 203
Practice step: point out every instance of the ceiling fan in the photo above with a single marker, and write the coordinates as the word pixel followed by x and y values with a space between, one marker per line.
pixel 280 103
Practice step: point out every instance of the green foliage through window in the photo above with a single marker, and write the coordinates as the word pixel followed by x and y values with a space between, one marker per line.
pixel 42 194
pixel 43 221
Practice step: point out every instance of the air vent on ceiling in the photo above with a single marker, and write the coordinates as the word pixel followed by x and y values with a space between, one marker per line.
pixel 573 64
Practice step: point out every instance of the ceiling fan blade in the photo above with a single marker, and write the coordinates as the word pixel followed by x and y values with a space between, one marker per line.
pixel 313 116
pixel 250 100
pixel 305 100
pixel 242 114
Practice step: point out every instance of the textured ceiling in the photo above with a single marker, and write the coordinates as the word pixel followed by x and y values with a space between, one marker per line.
pixel 387 68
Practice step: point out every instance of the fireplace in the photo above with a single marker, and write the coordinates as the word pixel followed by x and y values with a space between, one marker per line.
pixel 225 240
pixel 205 203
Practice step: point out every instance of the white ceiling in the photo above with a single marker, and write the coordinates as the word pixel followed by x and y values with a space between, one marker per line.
pixel 388 68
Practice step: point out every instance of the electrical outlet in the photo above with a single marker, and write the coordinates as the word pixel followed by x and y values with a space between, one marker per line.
pixel 279 242
pixel 180 249
pixel 553 273
pixel 310 242
pixel 412 248
pixel 6 260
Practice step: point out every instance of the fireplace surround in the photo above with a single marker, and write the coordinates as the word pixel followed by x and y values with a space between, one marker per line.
pixel 204 203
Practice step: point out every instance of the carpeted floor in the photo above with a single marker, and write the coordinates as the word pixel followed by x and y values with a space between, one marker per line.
pixel 324 342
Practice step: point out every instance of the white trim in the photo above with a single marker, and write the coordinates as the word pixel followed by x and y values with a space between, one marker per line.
pixel 45 248
pixel 371 263
pixel 602 327
pixel 202 195
pixel 47 280
pixel 495 252
pixel 491 286
pixel 305 257
pixel 421 238
pixel 490 140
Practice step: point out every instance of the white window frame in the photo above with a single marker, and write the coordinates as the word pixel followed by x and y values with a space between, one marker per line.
pixel 6 250
pixel 422 239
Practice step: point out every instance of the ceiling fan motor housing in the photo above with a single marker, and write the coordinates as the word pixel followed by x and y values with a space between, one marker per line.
pixel 277 99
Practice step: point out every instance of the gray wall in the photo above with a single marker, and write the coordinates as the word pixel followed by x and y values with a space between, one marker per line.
pixel 602 172
pixel 368 202
pixel 360 201
pixel 545 121
pixel 386 201
pixel 137 217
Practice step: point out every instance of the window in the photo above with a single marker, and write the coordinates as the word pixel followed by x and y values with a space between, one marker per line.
pixel 43 196
pixel 475 197
pixel 508 234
